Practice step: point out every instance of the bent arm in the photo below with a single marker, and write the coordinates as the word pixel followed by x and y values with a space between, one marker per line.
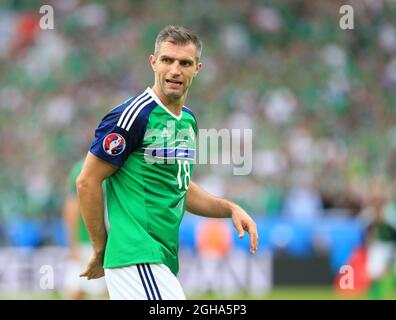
pixel 90 195
pixel 201 203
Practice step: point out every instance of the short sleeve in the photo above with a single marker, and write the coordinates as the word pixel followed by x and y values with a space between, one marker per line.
pixel 121 131
pixel 195 124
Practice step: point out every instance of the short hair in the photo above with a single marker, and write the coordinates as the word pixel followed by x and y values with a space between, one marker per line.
pixel 178 35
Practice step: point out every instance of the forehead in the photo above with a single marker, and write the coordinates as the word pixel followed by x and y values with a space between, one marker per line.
pixel 178 51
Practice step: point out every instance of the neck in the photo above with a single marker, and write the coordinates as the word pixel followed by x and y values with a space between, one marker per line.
pixel 174 105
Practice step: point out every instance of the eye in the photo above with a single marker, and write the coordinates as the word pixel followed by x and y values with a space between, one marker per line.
pixel 185 63
pixel 166 60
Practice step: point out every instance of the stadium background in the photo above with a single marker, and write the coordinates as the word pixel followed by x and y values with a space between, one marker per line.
pixel 320 101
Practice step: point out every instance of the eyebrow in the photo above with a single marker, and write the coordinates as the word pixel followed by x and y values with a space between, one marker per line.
pixel 172 58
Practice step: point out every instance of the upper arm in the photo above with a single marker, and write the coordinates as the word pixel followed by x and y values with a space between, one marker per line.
pixel 96 169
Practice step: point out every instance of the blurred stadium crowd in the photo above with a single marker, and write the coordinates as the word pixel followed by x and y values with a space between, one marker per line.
pixel 320 100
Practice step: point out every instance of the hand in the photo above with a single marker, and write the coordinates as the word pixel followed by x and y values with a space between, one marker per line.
pixel 242 221
pixel 94 269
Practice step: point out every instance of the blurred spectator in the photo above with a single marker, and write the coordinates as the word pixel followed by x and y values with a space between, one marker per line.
pixel 303 202
pixel 380 218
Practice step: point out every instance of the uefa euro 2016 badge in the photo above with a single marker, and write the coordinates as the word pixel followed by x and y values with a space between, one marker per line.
pixel 114 144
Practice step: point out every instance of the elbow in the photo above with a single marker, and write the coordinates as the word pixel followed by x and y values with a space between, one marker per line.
pixel 82 184
pixel 87 184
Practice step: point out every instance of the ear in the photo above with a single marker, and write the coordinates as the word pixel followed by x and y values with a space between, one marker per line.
pixel 152 61
pixel 199 67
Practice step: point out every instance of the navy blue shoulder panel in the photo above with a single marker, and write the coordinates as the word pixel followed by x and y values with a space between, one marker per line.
pixel 122 130
pixel 190 112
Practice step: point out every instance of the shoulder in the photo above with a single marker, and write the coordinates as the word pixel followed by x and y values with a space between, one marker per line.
pixel 189 111
pixel 122 130
pixel 134 110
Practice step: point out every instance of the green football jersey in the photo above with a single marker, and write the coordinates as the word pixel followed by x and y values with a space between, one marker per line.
pixel 74 172
pixel 146 197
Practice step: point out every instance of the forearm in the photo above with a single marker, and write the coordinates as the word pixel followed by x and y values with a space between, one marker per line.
pixel 90 195
pixel 199 202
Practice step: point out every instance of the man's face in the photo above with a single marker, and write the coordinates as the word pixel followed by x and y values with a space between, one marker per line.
pixel 174 67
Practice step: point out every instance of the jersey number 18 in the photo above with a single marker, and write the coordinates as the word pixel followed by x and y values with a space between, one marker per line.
pixel 186 175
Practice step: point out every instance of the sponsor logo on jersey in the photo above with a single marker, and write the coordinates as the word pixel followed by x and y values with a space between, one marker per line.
pixel 170 153
pixel 165 133
pixel 114 144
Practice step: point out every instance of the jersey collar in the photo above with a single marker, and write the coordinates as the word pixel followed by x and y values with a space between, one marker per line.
pixel 158 101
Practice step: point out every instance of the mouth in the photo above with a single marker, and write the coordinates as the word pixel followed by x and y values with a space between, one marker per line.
pixel 173 82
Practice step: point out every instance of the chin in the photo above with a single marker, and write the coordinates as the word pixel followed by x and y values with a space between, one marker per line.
pixel 173 94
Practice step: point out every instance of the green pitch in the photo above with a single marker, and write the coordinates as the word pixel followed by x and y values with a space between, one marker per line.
pixel 291 293
pixel 278 293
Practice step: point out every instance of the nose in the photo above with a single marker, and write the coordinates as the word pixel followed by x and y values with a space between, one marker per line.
pixel 175 69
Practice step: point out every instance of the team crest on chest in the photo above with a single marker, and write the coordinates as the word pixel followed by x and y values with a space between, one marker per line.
pixel 114 144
